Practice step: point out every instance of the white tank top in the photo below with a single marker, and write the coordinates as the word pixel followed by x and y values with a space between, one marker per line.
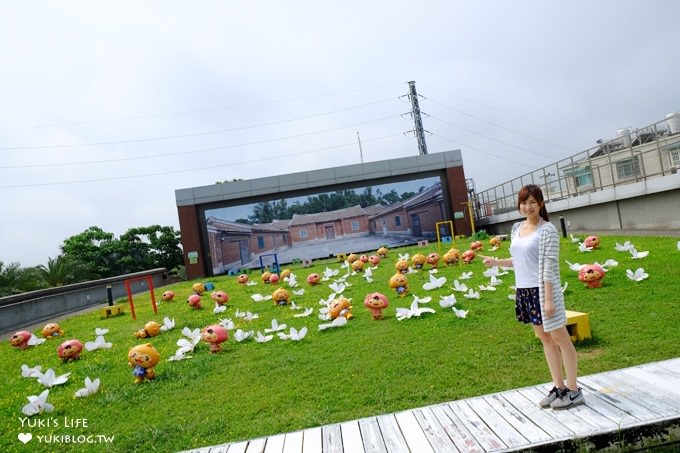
pixel 524 252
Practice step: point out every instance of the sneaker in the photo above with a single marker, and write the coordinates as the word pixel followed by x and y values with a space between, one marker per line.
pixel 568 399
pixel 554 394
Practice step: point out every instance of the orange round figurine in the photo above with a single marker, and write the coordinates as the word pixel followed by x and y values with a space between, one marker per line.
pixel 340 307
pixel 468 256
pixel 382 252
pixel 143 358
pixel 70 350
pixel 591 275
pixel 376 302
pixel 592 242
pixel 476 246
pixel 199 288
pixel 399 283
pixel 242 279
pixel 168 296
pixel 220 297
pixel 281 297
pixel 151 329
pixel 358 266
pixel 418 260
pixel 52 330
pixel 266 275
pixel 451 257
pixel 215 335
pixel 401 266
pixel 352 257
pixel 374 260
pixel 495 242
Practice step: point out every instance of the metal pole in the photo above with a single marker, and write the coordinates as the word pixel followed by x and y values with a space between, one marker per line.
pixel 415 112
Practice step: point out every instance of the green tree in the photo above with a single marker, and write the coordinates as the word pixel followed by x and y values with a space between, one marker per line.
pixel 14 279
pixel 95 247
pixel 63 270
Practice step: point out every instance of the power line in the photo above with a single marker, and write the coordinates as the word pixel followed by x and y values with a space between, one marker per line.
pixel 210 167
pixel 195 134
pixel 485 152
pixel 196 151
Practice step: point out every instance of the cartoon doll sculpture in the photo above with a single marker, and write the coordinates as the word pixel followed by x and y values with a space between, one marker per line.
pixel 592 242
pixel 376 302
pixel 70 350
pixel 476 246
pixel 143 358
pixel 220 297
pixel 281 297
pixel 591 275
pixel 418 261
pixel 274 279
pixel 20 339
pixel 340 307
pixel 194 301
pixel 285 273
pixel 215 335
pixel 168 296
pixel 468 256
pixel 495 242
pixel 52 330
pixel 242 279
pixel 399 283
pixel 151 329
pixel 401 266
pixel 352 257
pixel 358 266
pixel 433 259
pixel 374 260
pixel 199 288
pixel 266 275
pixel 382 252
pixel 313 279
pixel 451 257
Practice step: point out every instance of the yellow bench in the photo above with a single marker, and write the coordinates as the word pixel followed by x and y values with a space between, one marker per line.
pixel 113 310
pixel 578 325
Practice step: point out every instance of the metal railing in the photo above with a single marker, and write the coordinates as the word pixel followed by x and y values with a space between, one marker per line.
pixel 649 152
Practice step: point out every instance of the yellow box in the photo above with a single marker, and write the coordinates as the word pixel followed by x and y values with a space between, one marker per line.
pixel 341 257
pixel 578 325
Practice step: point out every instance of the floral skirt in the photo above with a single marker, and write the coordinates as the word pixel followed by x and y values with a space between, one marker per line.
pixel 528 306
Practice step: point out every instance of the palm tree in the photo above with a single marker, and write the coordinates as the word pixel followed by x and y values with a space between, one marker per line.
pixel 14 279
pixel 63 270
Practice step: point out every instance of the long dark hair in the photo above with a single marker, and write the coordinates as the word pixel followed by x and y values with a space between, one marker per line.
pixel 532 190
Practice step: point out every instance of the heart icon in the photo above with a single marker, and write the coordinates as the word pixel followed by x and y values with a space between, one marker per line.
pixel 25 437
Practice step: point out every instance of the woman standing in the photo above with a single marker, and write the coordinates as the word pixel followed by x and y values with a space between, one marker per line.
pixel 535 250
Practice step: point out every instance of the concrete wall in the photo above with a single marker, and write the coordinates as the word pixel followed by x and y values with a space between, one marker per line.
pixel 37 306
pixel 653 204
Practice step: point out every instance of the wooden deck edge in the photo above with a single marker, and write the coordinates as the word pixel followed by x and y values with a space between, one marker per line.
pixel 633 438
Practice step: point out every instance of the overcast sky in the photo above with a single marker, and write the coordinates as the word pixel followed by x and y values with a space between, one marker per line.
pixel 107 107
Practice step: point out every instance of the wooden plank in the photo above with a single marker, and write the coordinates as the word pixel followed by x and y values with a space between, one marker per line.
pixel 523 425
pixel 391 434
pixel 351 437
pixel 311 440
pixel 541 417
pixel 331 437
pixel 666 386
pixel 671 365
pixel 220 449
pixel 256 445
pixel 477 427
pixel 434 431
pixel 603 406
pixel 490 414
pixel 576 419
pixel 293 442
pixel 238 447
pixel 413 435
pixel 275 444
pixel 455 428
pixel 370 435
pixel 610 392
pixel 643 393
pixel 661 370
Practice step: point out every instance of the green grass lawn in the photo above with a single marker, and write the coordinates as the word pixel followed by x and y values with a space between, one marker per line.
pixel 365 368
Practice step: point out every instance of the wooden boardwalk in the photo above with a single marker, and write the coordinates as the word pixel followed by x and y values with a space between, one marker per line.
pixel 637 406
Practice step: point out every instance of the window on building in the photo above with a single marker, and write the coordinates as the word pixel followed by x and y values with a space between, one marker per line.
pixel 355 226
pixel 260 242
pixel 284 238
pixel 583 177
pixel 397 220
pixel 674 155
pixel 628 168
pixel 303 234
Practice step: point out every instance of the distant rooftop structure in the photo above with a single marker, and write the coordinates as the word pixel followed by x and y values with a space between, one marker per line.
pixel 632 156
